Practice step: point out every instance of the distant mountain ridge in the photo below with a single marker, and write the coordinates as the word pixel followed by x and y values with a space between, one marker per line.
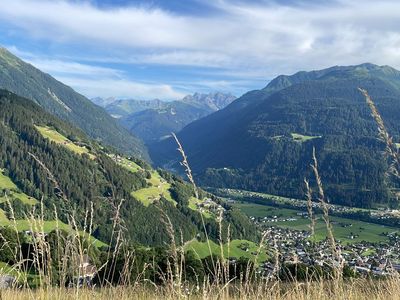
pixel 263 140
pixel 119 108
pixel 152 120
pixel 62 101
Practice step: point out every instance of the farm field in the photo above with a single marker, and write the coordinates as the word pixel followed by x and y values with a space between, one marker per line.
pixel 237 249
pixel 60 139
pixel 343 228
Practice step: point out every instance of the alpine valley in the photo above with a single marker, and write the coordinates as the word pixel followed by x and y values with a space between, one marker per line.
pixel 263 141
pixel 153 120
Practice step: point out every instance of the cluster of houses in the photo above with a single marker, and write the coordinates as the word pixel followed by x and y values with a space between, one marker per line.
pixel 295 246
pixel 210 206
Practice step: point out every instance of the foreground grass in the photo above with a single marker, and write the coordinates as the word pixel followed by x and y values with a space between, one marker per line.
pixel 355 290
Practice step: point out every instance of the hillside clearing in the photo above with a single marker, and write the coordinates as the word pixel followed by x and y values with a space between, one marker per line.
pixel 60 139
pixel 159 188
pixel 13 191
pixel 303 138
pixel 193 202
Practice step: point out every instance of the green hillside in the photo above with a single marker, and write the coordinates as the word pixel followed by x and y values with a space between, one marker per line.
pixel 60 100
pixel 42 157
pixel 263 141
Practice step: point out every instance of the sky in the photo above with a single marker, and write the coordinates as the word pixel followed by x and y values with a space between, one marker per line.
pixel 166 49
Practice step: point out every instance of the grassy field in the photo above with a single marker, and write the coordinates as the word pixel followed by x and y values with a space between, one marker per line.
pixel 259 211
pixel 237 248
pixel 303 138
pixel 13 191
pixel 342 228
pixel 5 182
pixel 159 187
pixel 58 138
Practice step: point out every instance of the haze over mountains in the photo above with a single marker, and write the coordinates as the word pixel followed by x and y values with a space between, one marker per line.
pixel 153 120
pixel 263 141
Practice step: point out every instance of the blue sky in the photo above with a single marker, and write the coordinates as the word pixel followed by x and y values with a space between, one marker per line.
pixel 169 48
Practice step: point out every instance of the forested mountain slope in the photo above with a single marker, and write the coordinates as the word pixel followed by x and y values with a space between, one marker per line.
pixel 62 101
pixel 87 174
pixel 263 141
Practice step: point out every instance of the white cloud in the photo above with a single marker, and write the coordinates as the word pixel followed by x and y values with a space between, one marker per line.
pixel 120 88
pixel 55 66
pixel 241 38
pixel 94 81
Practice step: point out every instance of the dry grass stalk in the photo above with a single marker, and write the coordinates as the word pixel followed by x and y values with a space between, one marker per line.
pixel 310 209
pixel 189 175
pixel 336 252
pixel 186 165
pixel 391 148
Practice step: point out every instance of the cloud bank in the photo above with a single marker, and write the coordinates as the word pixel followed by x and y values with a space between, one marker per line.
pixel 263 38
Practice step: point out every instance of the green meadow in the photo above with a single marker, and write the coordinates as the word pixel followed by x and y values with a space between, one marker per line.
pixel 236 248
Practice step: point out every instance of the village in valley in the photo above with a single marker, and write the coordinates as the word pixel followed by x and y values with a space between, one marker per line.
pixel 366 248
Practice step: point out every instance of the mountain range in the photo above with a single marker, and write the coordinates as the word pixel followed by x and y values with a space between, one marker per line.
pixel 263 141
pixel 152 120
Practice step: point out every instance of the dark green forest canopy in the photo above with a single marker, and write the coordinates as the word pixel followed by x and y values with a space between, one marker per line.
pixel 99 181
pixel 263 141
